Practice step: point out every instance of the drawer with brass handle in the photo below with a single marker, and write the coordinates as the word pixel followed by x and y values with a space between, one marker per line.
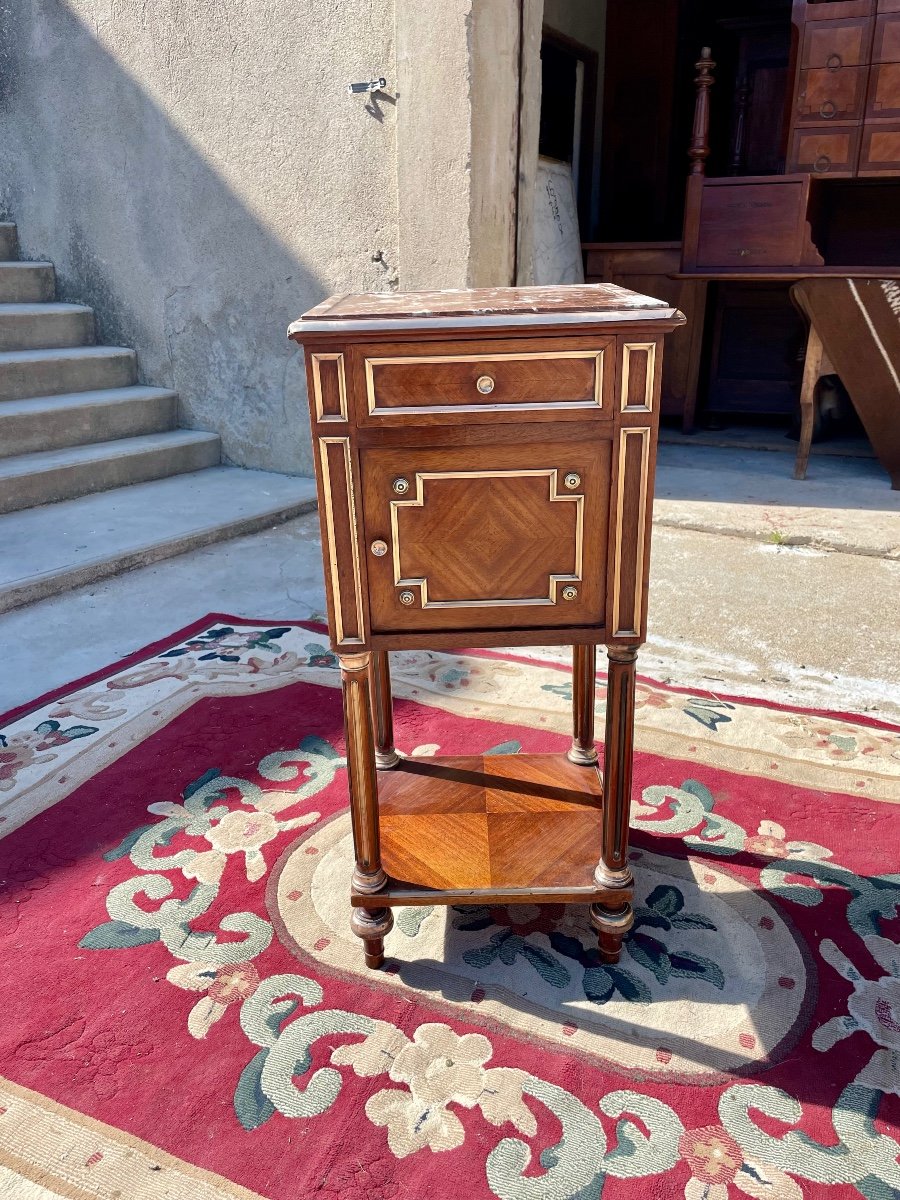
pixel 503 381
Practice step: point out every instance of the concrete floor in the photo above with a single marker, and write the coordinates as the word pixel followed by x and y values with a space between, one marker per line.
pixel 743 614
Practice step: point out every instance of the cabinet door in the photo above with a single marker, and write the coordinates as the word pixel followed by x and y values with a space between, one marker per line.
pixel 824 151
pixel 487 537
pixel 831 95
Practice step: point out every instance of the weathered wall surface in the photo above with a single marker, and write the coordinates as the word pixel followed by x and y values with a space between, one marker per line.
pixel 198 173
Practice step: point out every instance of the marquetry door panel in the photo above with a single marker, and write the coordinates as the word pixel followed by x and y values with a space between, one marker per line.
pixel 487 537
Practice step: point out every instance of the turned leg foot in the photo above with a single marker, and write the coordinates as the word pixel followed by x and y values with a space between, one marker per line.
pixel 611 925
pixel 372 924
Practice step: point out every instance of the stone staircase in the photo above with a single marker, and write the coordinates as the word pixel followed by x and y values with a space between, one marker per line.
pixel 95 478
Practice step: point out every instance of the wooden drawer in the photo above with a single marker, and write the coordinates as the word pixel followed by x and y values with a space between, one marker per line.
pixel 884 92
pixel 486 537
pixel 444 382
pixel 826 95
pixel 750 225
pixel 886 47
pixel 835 44
pixel 824 151
pixel 879 152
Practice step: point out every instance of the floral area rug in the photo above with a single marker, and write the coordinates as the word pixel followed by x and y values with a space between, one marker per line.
pixel 185 1012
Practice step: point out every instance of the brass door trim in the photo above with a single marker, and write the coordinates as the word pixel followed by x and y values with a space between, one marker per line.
pixel 640 542
pixel 418 501
pixel 597 356
pixel 321 415
pixel 650 349
pixel 337 595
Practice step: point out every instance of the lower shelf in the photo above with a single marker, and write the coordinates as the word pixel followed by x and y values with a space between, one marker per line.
pixel 512 828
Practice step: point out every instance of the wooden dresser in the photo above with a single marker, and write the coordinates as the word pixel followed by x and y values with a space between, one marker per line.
pixel 485 466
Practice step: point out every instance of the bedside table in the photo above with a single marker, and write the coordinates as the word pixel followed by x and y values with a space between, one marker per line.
pixel 485 467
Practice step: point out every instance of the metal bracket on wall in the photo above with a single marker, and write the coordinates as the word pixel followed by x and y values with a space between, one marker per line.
pixel 374 85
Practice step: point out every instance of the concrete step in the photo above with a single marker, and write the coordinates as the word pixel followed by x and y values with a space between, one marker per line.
pixel 44 551
pixel 50 475
pixel 79 418
pixel 25 373
pixel 26 282
pixel 45 326
pixel 9 241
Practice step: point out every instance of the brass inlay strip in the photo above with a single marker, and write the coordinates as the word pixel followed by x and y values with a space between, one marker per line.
pixel 418 501
pixel 632 630
pixel 648 348
pixel 340 632
pixel 338 359
pixel 596 356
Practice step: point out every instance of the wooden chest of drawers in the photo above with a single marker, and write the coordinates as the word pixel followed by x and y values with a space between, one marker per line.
pixel 485 473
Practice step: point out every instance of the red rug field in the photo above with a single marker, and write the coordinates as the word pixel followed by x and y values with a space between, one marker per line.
pixel 185 1012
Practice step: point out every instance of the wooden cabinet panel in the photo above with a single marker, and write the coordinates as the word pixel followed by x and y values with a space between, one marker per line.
pixel 486 382
pixel 824 151
pixel 886 46
pixel 880 150
pixel 884 92
pixel 487 537
pixel 752 224
pixel 826 95
pixel 647 268
pixel 834 44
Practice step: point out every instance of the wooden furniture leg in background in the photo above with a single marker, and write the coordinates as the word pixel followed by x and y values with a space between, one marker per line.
pixel 612 922
pixel 385 754
pixel 812 369
pixel 584 672
pixel 370 924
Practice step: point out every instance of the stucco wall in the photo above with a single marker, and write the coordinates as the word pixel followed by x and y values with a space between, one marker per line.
pixel 198 173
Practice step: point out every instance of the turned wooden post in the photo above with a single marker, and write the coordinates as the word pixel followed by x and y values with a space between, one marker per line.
pixel 613 921
pixel 584 673
pixel 371 924
pixel 385 754
pixel 698 151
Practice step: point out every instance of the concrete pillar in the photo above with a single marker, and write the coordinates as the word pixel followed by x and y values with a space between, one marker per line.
pixel 458 141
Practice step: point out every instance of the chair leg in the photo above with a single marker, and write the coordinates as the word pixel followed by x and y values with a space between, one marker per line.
pixel 811 371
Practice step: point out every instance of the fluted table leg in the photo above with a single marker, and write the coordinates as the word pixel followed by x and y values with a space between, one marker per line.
pixel 385 754
pixel 613 921
pixel 371 924
pixel 584 674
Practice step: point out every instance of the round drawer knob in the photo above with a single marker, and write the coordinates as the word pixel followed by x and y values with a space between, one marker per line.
pixel 569 593
pixel 828 110
pixel 485 384
pixel 407 598
pixel 400 486
pixel 822 164
pixel 572 481
pixel 379 548
pixel 834 62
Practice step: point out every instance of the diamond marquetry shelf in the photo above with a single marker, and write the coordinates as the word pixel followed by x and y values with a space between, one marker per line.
pixel 498 827
pixel 484 462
